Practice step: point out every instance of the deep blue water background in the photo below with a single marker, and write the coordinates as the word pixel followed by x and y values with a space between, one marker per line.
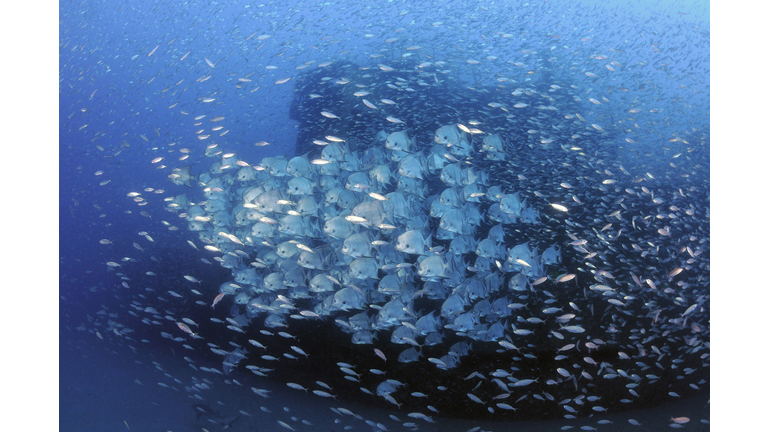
pixel 115 96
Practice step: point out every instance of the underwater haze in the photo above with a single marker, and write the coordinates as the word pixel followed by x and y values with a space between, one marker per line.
pixel 384 216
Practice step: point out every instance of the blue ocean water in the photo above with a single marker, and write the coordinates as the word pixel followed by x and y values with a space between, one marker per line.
pixel 135 79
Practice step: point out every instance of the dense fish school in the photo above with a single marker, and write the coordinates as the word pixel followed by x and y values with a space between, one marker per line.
pixel 529 270
pixel 475 232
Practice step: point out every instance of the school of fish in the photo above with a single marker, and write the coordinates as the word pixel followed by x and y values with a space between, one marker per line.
pixel 459 250
pixel 438 244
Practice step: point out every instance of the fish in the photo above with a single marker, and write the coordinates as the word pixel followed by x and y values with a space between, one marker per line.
pixel 323 393
pixel 400 141
pixel 183 176
pixel 205 411
pixel 413 242
pixel 185 328
pixel 285 425
pixel 369 104
pixel 329 114
pixel 559 207
pixel 380 354
pixel 347 298
pixel 297 386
